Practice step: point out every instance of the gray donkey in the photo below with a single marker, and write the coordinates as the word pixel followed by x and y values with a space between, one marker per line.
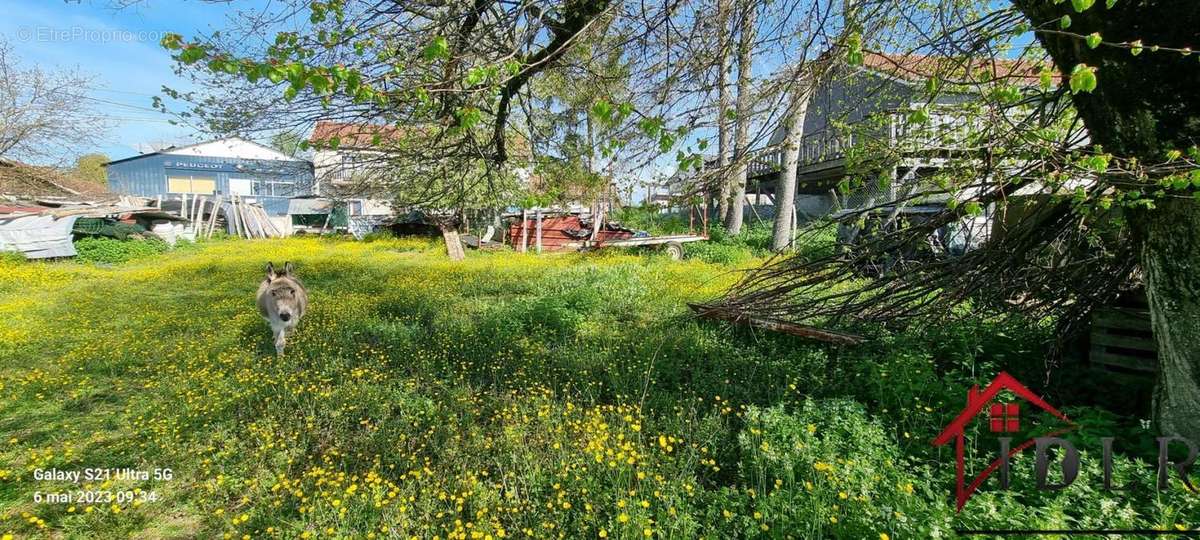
pixel 282 300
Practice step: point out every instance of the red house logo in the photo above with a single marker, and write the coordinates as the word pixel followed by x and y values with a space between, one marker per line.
pixel 1001 418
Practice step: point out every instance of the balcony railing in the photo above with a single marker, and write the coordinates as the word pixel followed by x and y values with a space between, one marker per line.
pixel 941 131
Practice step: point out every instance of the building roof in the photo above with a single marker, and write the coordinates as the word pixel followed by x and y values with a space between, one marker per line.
pixel 26 180
pixel 354 135
pixel 919 67
pixel 225 147
pixel 363 136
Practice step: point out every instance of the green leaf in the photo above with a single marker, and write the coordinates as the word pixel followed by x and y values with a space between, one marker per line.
pixel 468 117
pixel 318 13
pixel 1096 163
pixel 289 93
pixel 352 82
pixel 319 83
pixel 1083 79
pixel 1064 22
pixel 602 110
pixel 651 126
pixel 918 116
pixel 1046 78
pixel 438 48
pixel 1081 5
pixel 1108 4
pixel 475 76
pixel 1093 40
pixel 192 54
pixel 171 41
pixel 854 54
pixel 1006 94
pixel 666 141
pixel 1136 47
pixel 973 208
pixel 295 74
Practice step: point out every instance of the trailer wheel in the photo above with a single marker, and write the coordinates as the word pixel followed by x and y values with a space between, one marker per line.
pixel 674 250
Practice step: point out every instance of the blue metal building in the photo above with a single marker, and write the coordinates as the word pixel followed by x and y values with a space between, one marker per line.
pixel 229 166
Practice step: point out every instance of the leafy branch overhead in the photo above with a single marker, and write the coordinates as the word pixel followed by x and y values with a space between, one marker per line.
pixel 375 58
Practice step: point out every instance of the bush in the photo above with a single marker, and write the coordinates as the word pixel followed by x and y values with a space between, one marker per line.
pixel 723 248
pixel 827 470
pixel 111 251
pixel 375 236
pixel 649 219
pixel 12 257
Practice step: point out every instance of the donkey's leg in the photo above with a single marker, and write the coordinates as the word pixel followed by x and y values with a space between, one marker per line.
pixel 280 340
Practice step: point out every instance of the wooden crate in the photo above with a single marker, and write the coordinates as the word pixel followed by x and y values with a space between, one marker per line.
pixel 1121 337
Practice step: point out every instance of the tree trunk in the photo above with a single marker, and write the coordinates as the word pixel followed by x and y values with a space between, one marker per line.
pixel 785 194
pixel 1142 107
pixel 1170 248
pixel 723 136
pixel 748 24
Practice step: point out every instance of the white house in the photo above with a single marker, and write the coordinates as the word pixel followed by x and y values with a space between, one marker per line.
pixel 344 172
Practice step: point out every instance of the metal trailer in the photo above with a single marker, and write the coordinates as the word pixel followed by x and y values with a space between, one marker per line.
pixel 672 244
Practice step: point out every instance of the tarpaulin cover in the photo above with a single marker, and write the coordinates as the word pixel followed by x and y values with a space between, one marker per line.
pixel 39 236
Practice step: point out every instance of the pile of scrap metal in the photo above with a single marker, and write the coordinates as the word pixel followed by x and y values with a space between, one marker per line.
pixel 42 208
pixel 46 227
pixel 561 231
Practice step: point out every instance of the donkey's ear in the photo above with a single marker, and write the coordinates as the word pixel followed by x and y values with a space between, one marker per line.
pixel 288 269
pixel 270 271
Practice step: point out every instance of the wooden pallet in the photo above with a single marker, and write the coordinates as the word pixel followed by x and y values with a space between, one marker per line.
pixel 1121 337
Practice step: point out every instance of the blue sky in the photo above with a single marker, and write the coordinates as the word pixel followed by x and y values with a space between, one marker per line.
pixel 119 47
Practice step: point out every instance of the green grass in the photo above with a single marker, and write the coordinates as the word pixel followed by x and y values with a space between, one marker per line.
pixel 505 396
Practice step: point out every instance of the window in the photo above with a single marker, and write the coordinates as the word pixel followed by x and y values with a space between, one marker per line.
pixel 1005 417
pixel 279 188
pixel 351 166
pixel 191 184
pixel 274 187
pixel 241 186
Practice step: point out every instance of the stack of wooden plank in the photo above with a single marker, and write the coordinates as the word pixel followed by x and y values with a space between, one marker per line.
pixel 242 219
pixel 1121 336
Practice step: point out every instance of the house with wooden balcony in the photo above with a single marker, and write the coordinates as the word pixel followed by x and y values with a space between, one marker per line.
pixel 877 120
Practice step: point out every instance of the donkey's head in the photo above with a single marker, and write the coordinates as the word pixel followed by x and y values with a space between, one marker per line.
pixel 282 292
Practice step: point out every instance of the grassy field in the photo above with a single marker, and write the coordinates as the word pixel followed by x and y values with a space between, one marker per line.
pixel 562 396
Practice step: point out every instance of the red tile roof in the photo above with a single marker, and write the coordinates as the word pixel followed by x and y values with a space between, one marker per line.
pixel 918 67
pixel 353 135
